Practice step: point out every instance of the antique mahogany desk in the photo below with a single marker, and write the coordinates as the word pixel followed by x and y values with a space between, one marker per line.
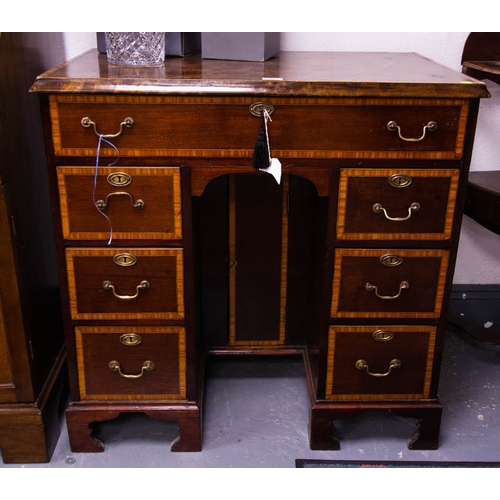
pixel 172 246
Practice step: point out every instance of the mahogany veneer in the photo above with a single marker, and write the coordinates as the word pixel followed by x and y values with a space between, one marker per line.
pixel 349 260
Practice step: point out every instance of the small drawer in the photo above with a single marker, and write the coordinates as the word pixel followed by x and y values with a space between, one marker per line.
pixel 131 363
pixel 125 283
pixel 217 126
pixel 380 362
pixel 396 204
pixel 388 283
pixel 130 202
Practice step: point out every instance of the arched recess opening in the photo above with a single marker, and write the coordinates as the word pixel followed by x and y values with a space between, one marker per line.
pixel 259 244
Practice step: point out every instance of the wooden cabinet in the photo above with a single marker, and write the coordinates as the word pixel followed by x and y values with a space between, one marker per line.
pixel 33 377
pixel 32 357
pixel 173 246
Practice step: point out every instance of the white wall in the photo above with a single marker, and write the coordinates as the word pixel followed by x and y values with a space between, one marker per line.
pixel 479 252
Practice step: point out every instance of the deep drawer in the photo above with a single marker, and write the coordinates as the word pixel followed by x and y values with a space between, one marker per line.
pixel 136 202
pixel 224 127
pixel 398 204
pixel 388 283
pixel 108 284
pixel 371 362
pixel 131 363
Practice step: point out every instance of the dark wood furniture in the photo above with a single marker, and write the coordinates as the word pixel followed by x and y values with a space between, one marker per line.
pixel 481 56
pixel 348 261
pixel 33 378
pixel 483 199
pixel 481 59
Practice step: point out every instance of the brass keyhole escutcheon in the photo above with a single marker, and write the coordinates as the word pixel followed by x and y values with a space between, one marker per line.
pixel 382 335
pixel 399 180
pixel 124 259
pixel 257 107
pixel 391 260
pixel 130 339
pixel 119 179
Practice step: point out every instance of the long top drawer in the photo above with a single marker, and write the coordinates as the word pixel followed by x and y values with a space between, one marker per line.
pixel 190 126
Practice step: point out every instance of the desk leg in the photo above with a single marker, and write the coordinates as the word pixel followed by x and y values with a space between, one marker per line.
pixel 428 427
pixel 428 414
pixel 81 418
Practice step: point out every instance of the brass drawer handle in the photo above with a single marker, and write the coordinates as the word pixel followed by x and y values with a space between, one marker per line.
pixel 114 366
pixel 143 285
pixel 431 126
pixel 402 286
pixel 87 122
pixel 361 364
pixel 414 207
pixel 101 204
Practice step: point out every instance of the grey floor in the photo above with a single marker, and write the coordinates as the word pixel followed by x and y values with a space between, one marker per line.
pixel 256 416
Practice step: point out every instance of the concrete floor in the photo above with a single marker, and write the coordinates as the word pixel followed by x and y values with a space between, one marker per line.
pixel 256 416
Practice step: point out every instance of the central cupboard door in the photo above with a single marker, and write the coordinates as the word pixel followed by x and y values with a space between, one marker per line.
pixel 259 254
pixel 258 245
pixel 244 247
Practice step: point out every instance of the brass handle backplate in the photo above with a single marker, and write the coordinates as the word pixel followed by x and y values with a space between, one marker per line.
pixel 115 366
pixel 414 207
pixel 431 126
pixel 402 286
pixel 87 122
pixel 143 285
pixel 102 204
pixel 361 364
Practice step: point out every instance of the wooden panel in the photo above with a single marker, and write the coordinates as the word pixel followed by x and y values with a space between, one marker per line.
pixel 214 236
pixel 164 346
pixel 11 320
pixel 435 191
pixel 158 188
pixel 224 127
pixel 423 270
pixel 413 346
pixel 89 268
pixel 258 247
pixel 6 378
pixel 483 199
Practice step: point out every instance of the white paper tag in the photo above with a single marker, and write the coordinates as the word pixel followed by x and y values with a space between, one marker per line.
pixel 274 169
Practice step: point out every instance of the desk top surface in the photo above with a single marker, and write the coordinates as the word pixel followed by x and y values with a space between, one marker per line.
pixel 312 74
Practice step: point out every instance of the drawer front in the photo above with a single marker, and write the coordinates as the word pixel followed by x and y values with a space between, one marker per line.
pixel 398 204
pixel 372 362
pixel 224 127
pixel 132 202
pixel 138 363
pixel 125 283
pixel 389 283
